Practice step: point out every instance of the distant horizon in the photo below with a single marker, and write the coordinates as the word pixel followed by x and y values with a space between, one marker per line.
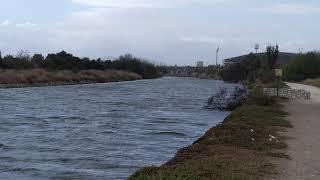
pixel 221 61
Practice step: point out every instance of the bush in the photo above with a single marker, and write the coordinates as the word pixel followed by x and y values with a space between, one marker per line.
pixel 229 102
pixel 139 66
pixel 233 73
pixel 303 67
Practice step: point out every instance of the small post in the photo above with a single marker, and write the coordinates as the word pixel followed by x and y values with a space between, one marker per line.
pixel 278 86
pixel 278 75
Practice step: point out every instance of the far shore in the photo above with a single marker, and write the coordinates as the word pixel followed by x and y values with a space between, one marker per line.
pixel 41 77
pixel 17 86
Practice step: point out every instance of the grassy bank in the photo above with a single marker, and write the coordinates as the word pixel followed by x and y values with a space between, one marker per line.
pixel 41 77
pixel 239 148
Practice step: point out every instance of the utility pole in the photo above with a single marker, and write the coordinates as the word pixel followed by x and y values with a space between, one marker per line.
pixel 217 54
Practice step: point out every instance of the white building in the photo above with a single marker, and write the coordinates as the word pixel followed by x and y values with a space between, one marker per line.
pixel 200 64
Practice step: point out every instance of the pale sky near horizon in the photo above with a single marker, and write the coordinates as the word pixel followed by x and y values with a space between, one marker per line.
pixel 164 31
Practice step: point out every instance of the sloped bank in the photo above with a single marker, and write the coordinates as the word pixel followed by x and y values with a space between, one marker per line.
pixel 239 148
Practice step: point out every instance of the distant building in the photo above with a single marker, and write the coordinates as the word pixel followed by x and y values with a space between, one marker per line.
pixel 283 58
pixel 200 64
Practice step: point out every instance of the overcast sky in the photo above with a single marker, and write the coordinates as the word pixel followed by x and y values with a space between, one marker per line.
pixel 165 31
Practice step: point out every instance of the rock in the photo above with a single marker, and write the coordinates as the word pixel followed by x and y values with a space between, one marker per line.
pixel 227 102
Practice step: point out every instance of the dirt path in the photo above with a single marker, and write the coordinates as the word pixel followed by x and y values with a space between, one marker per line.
pixel 304 142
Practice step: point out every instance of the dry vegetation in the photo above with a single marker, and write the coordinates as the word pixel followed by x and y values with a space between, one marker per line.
pixel 39 77
pixel 242 147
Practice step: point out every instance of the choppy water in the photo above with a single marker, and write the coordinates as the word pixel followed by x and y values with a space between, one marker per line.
pixel 100 131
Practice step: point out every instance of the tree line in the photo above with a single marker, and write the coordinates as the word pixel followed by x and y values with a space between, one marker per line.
pixel 66 61
pixel 304 66
pixel 255 66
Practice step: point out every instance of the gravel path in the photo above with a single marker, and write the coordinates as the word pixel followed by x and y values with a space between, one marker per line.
pixel 304 142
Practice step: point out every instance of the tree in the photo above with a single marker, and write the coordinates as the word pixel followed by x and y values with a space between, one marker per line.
pixel 37 60
pixel 23 55
pixel 245 70
pixel 272 56
pixel 234 73
pixel 251 66
pixel 303 67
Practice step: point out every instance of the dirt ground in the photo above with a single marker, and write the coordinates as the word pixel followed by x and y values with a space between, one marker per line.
pixel 304 138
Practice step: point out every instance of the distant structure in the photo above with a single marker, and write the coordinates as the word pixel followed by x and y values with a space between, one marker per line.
pixel 217 55
pixel 200 64
pixel 284 58
pixel 256 47
pixel 180 71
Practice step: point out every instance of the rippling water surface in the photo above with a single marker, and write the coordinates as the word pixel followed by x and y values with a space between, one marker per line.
pixel 100 131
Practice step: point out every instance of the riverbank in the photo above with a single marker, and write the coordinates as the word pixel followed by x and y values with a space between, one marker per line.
pixel 41 77
pixel 239 148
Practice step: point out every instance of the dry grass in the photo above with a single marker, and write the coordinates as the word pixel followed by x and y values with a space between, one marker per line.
pixel 312 82
pixel 17 78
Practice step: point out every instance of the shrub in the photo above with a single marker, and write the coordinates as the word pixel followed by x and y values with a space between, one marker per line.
pixel 303 67
pixel 224 101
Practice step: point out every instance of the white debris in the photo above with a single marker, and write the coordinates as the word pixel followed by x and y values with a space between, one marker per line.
pixel 252 130
pixel 272 137
pixel 253 139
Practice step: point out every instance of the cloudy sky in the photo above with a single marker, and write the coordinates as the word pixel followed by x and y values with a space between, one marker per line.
pixel 165 31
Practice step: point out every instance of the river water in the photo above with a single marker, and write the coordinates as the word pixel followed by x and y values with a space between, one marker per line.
pixel 101 131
